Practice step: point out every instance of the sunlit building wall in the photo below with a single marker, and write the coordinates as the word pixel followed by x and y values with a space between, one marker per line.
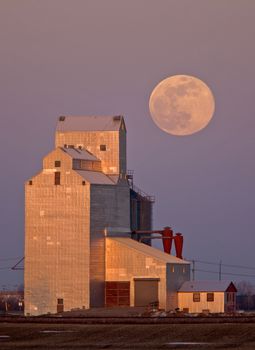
pixel 68 206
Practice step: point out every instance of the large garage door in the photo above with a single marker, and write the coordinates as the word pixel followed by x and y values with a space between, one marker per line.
pixel 117 293
pixel 146 291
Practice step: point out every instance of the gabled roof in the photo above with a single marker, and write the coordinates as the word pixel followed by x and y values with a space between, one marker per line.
pixel 76 153
pixel 148 251
pixel 205 286
pixel 89 123
pixel 95 177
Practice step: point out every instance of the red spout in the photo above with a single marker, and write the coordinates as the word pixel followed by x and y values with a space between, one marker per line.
pixel 178 241
pixel 167 242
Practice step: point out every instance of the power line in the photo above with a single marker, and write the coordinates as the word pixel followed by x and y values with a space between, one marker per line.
pixel 208 271
pixel 239 267
pixel 226 265
pixel 225 273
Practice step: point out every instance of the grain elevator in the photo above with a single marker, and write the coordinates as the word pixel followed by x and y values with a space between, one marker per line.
pixel 80 210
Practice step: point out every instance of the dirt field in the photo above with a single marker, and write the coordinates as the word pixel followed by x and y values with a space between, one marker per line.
pixel 174 336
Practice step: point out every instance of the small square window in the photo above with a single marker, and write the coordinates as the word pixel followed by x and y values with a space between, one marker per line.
pixel 210 296
pixel 30 182
pixel 196 297
pixel 102 147
pixel 57 163
pixel 83 183
pixel 60 301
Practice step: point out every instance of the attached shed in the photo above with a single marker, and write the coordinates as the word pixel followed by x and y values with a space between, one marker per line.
pixel 207 296
pixel 137 274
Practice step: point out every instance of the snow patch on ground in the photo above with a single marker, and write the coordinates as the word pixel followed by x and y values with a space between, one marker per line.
pixel 53 331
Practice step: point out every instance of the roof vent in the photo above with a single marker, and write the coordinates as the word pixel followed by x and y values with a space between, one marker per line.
pixel 61 118
pixel 117 118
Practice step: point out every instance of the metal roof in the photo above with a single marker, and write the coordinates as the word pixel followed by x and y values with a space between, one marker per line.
pixel 79 153
pixel 148 251
pixel 89 123
pixel 205 286
pixel 95 177
pixel 114 178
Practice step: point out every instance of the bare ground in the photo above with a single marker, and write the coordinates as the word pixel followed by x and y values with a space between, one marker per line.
pixel 30 336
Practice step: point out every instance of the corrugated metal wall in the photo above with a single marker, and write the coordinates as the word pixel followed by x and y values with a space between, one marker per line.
pixel 176 275
pixel 109 208
pixel 140 214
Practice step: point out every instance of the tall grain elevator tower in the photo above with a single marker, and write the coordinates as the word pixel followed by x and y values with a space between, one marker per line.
pixel 81 190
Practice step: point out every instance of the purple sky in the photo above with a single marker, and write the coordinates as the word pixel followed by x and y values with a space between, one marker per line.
pixel 85 57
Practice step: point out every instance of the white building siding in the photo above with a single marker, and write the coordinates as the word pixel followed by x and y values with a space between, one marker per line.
pixel 125 264
pixel 185 300
pixel 57 239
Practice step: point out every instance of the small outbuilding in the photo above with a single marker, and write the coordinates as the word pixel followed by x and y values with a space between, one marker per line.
pixel 207 296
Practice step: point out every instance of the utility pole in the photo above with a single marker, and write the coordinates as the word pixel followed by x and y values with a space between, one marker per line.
pixel 220 270
pixel 193 270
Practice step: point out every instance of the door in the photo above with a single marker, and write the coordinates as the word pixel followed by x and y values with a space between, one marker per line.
pixel 60 305
pixel 117 293
pixel 146 291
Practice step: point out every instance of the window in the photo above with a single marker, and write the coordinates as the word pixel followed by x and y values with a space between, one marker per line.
pixel 102 147
pixel 210 297
pixel 196 297
pixel 60 301
pixel 30 182
pixel 83 183
pixel 57 178
pixel 57 163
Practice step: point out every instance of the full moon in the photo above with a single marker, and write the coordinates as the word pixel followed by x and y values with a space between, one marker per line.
pixel 181 105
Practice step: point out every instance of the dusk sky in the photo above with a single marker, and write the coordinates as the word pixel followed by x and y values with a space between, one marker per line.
pixel 81 57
